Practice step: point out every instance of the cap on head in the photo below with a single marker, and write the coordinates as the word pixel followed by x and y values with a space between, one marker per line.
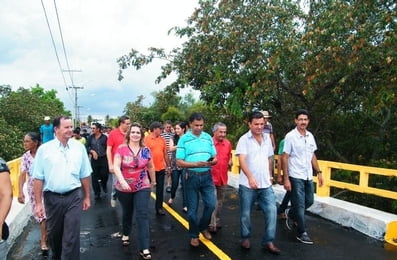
pixel 266 114
pixel 46 118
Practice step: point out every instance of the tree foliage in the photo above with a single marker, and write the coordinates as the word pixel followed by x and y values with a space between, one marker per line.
pixel 335 58
pixel 22 111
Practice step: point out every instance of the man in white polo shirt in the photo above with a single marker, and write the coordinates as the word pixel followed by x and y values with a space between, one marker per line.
pixel 299 160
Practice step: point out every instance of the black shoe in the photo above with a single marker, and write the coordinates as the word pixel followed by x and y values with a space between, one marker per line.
pixel 160 212
pixel 44 252
pixel 304 238
pixel 97 196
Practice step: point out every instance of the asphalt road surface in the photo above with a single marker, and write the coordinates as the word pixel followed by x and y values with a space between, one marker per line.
pixel 170 240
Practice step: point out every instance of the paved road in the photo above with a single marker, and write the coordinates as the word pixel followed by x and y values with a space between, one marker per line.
pixel 169 238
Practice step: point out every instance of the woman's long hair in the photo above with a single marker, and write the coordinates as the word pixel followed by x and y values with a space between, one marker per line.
pixel 182 125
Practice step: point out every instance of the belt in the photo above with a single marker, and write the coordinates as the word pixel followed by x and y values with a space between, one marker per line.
pixel 63 194
pixel 199 173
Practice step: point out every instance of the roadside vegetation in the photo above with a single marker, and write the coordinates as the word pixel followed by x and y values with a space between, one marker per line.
pixel 338 59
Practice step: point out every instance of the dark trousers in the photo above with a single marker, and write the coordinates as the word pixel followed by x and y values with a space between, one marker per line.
pixel 63 223
pixel 138 202
pixel 100 172
pixel 159 189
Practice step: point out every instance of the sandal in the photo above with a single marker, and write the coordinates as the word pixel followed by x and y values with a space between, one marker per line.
pixel 44 251
pixel 145 253
pixel 125 240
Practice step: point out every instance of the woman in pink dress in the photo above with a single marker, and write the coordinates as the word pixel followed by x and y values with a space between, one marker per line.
pixel 135 175
pixel 31 143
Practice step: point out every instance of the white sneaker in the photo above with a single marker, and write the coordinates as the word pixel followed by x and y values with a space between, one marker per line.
pixel 113 203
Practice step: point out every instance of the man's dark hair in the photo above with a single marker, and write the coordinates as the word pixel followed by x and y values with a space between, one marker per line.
pixel 123 118
pixel 155 125
pixel 302 112
pixel 57 120
pixel 98 125
pixel 254 115
pixel 196 116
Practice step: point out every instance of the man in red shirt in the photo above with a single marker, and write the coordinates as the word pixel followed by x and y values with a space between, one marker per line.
pixel 161 161
pixel 116 137
pixel 220 171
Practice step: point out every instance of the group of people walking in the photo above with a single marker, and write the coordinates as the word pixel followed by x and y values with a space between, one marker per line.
pixel 59 180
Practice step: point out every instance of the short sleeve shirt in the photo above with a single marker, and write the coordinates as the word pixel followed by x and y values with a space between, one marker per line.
pixel 61 168
pixel 116 137
pixel 220 169
pixel 47 131
pixel 133 168
pixel 27 161
pixel 193 148
pixel 157 148
pixel 257 158
pixel 300 149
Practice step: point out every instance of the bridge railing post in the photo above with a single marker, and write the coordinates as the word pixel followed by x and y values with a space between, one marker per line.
pixel 14 166
pixel 324 191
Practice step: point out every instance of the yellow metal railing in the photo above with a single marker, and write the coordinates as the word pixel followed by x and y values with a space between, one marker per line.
pixel 15 166
pixel 327 167
pixel 362 186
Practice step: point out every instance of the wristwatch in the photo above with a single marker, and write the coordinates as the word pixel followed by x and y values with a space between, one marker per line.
pixel 317 172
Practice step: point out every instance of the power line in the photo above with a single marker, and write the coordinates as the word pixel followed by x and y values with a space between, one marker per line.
pixel 63 44
pixel 53 44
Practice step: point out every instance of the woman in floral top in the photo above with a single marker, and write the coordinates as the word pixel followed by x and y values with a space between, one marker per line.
pixel 135 175
pixel 31 143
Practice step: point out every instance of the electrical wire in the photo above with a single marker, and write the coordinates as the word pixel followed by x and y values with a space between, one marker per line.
pixel 63 44
pixel 53 44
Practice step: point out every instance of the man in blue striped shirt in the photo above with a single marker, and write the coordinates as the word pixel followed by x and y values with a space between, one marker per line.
pixel 196 153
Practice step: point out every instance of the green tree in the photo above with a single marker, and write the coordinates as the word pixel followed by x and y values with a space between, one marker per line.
pixel 89 119
pixel 244 55
pixel 22 111
pixel 173 114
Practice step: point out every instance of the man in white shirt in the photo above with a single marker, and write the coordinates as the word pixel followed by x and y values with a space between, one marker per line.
pixel 254 150
pixel 62 171
pixel 299 160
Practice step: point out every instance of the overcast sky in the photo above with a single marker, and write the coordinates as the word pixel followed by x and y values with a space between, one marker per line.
pixel 95 33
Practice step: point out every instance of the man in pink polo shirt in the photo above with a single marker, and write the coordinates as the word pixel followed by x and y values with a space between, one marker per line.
pixel 220 171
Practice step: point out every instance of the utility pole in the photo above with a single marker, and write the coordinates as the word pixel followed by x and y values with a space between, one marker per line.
pixel 76 113
pixel 75 105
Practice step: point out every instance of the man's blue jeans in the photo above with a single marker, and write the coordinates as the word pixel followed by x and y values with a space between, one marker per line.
pixel 266 202
pixel 195 185
pixel 301 199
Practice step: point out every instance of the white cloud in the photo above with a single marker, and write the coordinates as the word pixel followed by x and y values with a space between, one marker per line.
pixel 96 33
